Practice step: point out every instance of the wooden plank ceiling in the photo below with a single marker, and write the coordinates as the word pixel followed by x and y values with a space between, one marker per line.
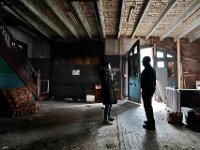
pixel 101 19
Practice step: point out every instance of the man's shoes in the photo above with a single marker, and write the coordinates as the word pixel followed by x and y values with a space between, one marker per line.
pixel 111 119
pixel 149 123
pixel 149 127
pixel 106 122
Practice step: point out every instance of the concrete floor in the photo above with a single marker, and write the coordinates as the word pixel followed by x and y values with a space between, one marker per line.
pixel 61 125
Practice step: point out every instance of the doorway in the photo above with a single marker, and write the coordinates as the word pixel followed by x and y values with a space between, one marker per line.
pixel 165 64
pixel 146 52
pixel 166 71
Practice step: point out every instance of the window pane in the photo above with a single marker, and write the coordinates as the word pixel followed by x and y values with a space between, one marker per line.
pixel 169 56
pixel 160 54
pixel 135 50
pixel 160 64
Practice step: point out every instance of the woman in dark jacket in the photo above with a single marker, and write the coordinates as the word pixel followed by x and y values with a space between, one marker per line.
pixel 107 94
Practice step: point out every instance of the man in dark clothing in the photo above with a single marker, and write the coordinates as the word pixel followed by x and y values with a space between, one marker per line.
pixel 148 85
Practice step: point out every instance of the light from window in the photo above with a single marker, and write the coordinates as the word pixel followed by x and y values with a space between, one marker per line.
pixel 135 50
pixel 169 56
pixel 160 54
pixel 160 64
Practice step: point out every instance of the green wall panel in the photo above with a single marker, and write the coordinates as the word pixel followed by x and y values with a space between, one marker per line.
pixel 8 77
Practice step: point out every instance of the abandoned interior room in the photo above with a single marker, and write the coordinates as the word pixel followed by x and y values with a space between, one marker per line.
pixel 51 52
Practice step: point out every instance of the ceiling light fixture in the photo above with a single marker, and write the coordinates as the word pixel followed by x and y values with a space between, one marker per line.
pixel 72 17
pixel 131 11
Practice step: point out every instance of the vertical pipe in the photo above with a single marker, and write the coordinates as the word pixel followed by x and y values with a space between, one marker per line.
pixel 154 54
pixel 179 63
pixel 121 65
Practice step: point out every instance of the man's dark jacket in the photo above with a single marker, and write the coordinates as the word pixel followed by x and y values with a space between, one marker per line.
pixel 148 78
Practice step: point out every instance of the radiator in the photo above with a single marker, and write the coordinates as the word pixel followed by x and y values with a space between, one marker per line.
pixel 182 98
pixel 172 99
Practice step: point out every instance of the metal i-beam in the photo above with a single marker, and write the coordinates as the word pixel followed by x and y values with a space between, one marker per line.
pixel 43 17
pixel 121 18
pixel 141 15
pixel 164 14
pixel 100 9
pixel 97 16
pixel 178 21
pixel 83 20
pixel 195 36
pixel 27 20
pixel 60 14
pixel 192 26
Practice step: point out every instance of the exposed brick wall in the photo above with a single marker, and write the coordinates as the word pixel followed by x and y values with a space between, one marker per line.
pixel 167 43
pixel 188 50
pixel 191 69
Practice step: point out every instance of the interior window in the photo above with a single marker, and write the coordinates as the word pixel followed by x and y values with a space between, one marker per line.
pixel 160 54
pixel 160 64
pixel 169 56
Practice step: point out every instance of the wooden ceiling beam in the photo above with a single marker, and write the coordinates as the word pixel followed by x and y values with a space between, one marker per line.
pixel 192 26
pixel 43 17
pixel 83 20
pixel 60 14
pixel 121 18
pixel 27 20
pixel 164 14
pixel 144 8
pixel 179 20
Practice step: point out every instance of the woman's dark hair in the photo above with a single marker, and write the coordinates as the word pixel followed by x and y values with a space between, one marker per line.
pixel 106 63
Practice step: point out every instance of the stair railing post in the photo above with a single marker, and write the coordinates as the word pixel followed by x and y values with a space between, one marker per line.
pixel 38 85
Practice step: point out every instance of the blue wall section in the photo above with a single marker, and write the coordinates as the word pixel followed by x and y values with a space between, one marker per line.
pixel 8 77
